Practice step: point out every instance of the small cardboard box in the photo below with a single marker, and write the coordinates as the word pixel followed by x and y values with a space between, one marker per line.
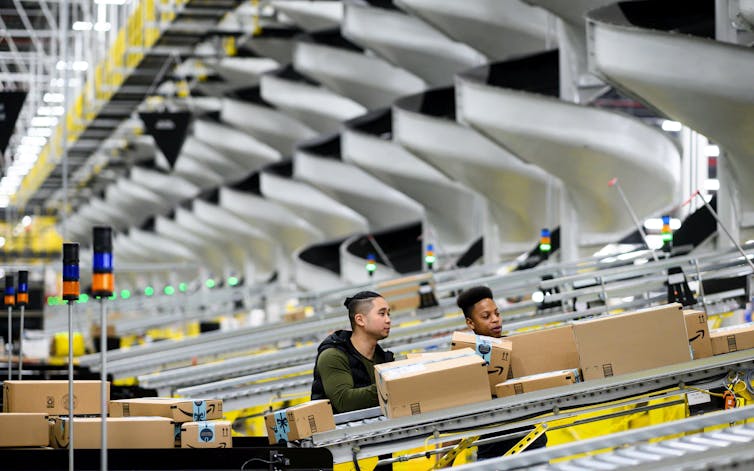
pixel 295 315
pixel 206 434
pixel 732 339
pixel 301 421
pixel 122 432
pixel 536 382
pixel 543 350
pixel 178 409
pixel 21 429
pixel 698 332
pixel 635 341
pixel 51 397
pixel 410 387
pixel 497 352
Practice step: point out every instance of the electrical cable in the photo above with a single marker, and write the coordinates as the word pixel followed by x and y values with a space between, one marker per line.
pixel 243 466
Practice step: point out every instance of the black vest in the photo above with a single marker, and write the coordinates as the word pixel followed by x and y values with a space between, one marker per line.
pixel 341 340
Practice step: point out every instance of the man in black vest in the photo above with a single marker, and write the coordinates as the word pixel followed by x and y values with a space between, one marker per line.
pixel 344 370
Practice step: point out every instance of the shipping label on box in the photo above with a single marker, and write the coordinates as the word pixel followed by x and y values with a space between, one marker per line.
pixel 51 397
pixel 122 432
pixel 635 341
pixel 732 339
pixel 300 421
pixel 537 382
pixel 206 434
pixel 496 352
pixel 410 387
pixel 540 351
pixel 177 409
pixel 698 333
pixel 24 429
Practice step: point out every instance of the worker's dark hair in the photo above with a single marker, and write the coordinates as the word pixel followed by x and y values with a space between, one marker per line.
pixel 359 302
pixel 471 296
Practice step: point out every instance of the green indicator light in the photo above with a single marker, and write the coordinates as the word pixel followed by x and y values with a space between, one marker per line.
pixel 430 259
pixel 182 287
pixel 169 290
pixel 667 237
pixel 148 291
pixel 232 281
pixel 83 298
pixel 210 283
pixel 125 294
pixel 545 247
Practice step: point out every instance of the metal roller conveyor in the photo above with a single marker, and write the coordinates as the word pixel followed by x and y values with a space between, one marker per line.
pixel 410 432
pixel 702 450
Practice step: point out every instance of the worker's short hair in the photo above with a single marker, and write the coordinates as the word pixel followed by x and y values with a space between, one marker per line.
pixel 469 297
pixel 359 302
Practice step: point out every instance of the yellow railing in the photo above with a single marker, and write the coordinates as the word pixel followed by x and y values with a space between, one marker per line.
pixel 140 33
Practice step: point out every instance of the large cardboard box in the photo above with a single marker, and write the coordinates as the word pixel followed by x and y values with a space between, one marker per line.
pixel 536 382
pixel 178 409
pixel 497 352
pixel 635 341
pixel 410 387
pixel 122 432
pixel 206 434
pixel 21 429
pixel 698 332
pixel 543 350
pixel 300 421
pixel 51 397
pixel 732 339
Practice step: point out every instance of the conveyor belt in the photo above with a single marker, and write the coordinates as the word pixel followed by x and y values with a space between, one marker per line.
pixel 410 432
pixel 703 450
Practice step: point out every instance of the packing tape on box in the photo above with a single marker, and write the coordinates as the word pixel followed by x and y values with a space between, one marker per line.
pixel 282 427
pixel 206 432
pixel 200 411
pixel 483 348
pixel 396 371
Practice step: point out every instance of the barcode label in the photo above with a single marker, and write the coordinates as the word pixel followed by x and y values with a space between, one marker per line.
pixel 697 397
pixel 518 388
pixel 312 423
pixel 732 347
pixel 607 370
pixel 415 409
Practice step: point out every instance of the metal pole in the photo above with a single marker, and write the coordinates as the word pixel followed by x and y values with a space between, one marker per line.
pixel 614 182
pixel 21 344
pixel 379 250
pixel 732 239
pixel 9 343
pixel 103 381
pixel 70 386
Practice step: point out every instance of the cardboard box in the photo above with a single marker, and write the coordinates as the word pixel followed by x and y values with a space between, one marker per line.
pixel 51 397
pixel 732 339
pixel 301 421
pixel 122 432
pixel 497 352
pixel 635 341
pixel 698 333
pixel 178 409
pixel 20 429
pixel 536 382
pixel 206 434
pixel 410 387
pixel 541 351
pixel 404 302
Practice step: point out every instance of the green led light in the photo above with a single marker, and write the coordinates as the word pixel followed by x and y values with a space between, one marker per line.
pixel 371 267
pixel 148 291
pixel 545 247
pixel 430 259
pixel 83 298
pixel 182 287
pixel 169 290
pixel 232 281
pixel 210 283
pixel 125 294
pixel 54 301
pixel 667 237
